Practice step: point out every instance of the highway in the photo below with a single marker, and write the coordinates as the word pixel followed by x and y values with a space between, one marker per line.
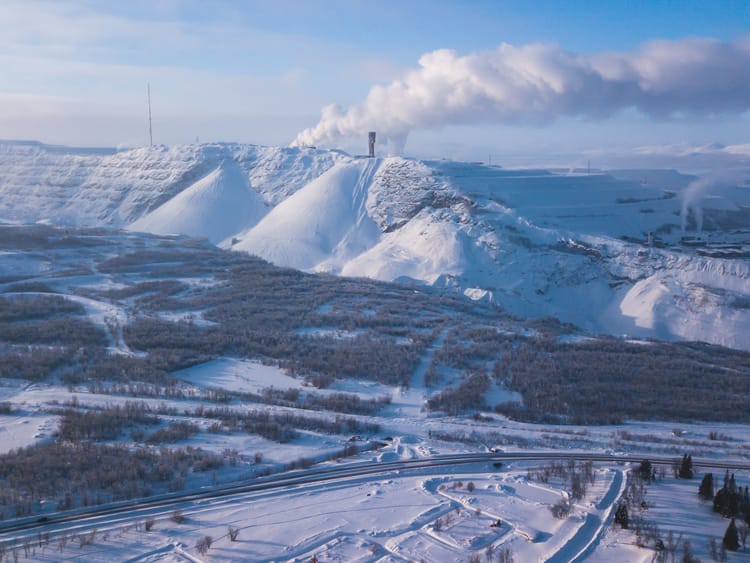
pixel 131 511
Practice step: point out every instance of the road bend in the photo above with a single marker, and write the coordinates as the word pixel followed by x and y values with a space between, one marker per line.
pixel 110 515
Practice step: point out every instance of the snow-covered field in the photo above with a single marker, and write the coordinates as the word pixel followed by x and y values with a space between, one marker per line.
pixel 394 518
pixel 239 375
pixel 430 514
pixel 541 243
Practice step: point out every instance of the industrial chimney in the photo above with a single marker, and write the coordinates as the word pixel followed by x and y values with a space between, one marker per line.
pixel 372 144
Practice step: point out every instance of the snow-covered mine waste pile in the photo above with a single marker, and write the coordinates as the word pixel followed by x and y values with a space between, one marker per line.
pixel 147 354
pixel 575 246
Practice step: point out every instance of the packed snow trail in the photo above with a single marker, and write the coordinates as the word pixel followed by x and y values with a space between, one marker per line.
pixel 592 528
pixel 410 402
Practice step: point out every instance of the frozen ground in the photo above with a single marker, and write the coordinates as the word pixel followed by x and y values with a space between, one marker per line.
pixel 429 515
pixel 673 505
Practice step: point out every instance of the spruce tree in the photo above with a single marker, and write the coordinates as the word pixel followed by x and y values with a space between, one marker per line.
pixel 731 537
pixel 720 501
pixel 726 503
pixel 706 489
pixel 686 467
pixel 645 470
pixel 621 515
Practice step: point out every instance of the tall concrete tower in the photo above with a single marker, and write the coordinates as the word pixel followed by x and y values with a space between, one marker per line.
pixel 372 144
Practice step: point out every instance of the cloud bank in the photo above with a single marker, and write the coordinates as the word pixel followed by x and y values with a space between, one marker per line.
pixel 537 83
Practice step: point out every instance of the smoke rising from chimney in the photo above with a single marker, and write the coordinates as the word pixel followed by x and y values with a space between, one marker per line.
pixel 692 199
pixel 693 195
pixel 538 83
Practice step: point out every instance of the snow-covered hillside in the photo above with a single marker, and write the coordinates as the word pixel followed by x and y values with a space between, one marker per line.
pixel 571 245
pixel 85 187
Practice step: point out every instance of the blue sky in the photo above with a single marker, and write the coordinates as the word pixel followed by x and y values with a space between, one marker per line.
pixel 74 72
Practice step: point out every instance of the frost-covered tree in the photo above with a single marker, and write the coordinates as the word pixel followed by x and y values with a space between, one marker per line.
pixel 505 555
pixel 203 544
pixel 713 549
pixel 687 553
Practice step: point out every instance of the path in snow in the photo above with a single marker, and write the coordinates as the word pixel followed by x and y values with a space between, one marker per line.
pixel 410 402
pixel 593 528
pixel 107 316
pixel 111 318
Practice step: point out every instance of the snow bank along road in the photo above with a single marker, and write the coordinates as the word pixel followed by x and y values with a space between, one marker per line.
pixel 107 515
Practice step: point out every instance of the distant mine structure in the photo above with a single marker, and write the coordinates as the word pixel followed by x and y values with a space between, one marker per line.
pixel 150 131
pixel 371 136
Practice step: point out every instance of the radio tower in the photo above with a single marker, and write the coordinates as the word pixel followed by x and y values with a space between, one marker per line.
pixel 150 133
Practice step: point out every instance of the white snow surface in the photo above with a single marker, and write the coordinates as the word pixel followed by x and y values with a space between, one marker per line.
pixel 429 514
pixel 215 207
pixel 232 374
pixel 320 227
pixel 536 242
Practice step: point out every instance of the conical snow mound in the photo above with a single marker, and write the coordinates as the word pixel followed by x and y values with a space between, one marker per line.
pixel 215 207
pixel 647 253
pixel 320 227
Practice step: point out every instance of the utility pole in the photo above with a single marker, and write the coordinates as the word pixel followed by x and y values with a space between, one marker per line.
pixel 150 132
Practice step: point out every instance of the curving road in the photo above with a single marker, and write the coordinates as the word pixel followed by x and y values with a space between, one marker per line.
pixel 107 515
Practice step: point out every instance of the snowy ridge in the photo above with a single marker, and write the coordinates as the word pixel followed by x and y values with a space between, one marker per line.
pixel 85 187
pixel 570 245
pixel 320 226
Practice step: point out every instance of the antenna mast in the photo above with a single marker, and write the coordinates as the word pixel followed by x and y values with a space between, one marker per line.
pixel 150 133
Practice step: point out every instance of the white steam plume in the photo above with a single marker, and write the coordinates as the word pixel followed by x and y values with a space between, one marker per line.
pixel 538 82
pixel 692 199
pixel 695 192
